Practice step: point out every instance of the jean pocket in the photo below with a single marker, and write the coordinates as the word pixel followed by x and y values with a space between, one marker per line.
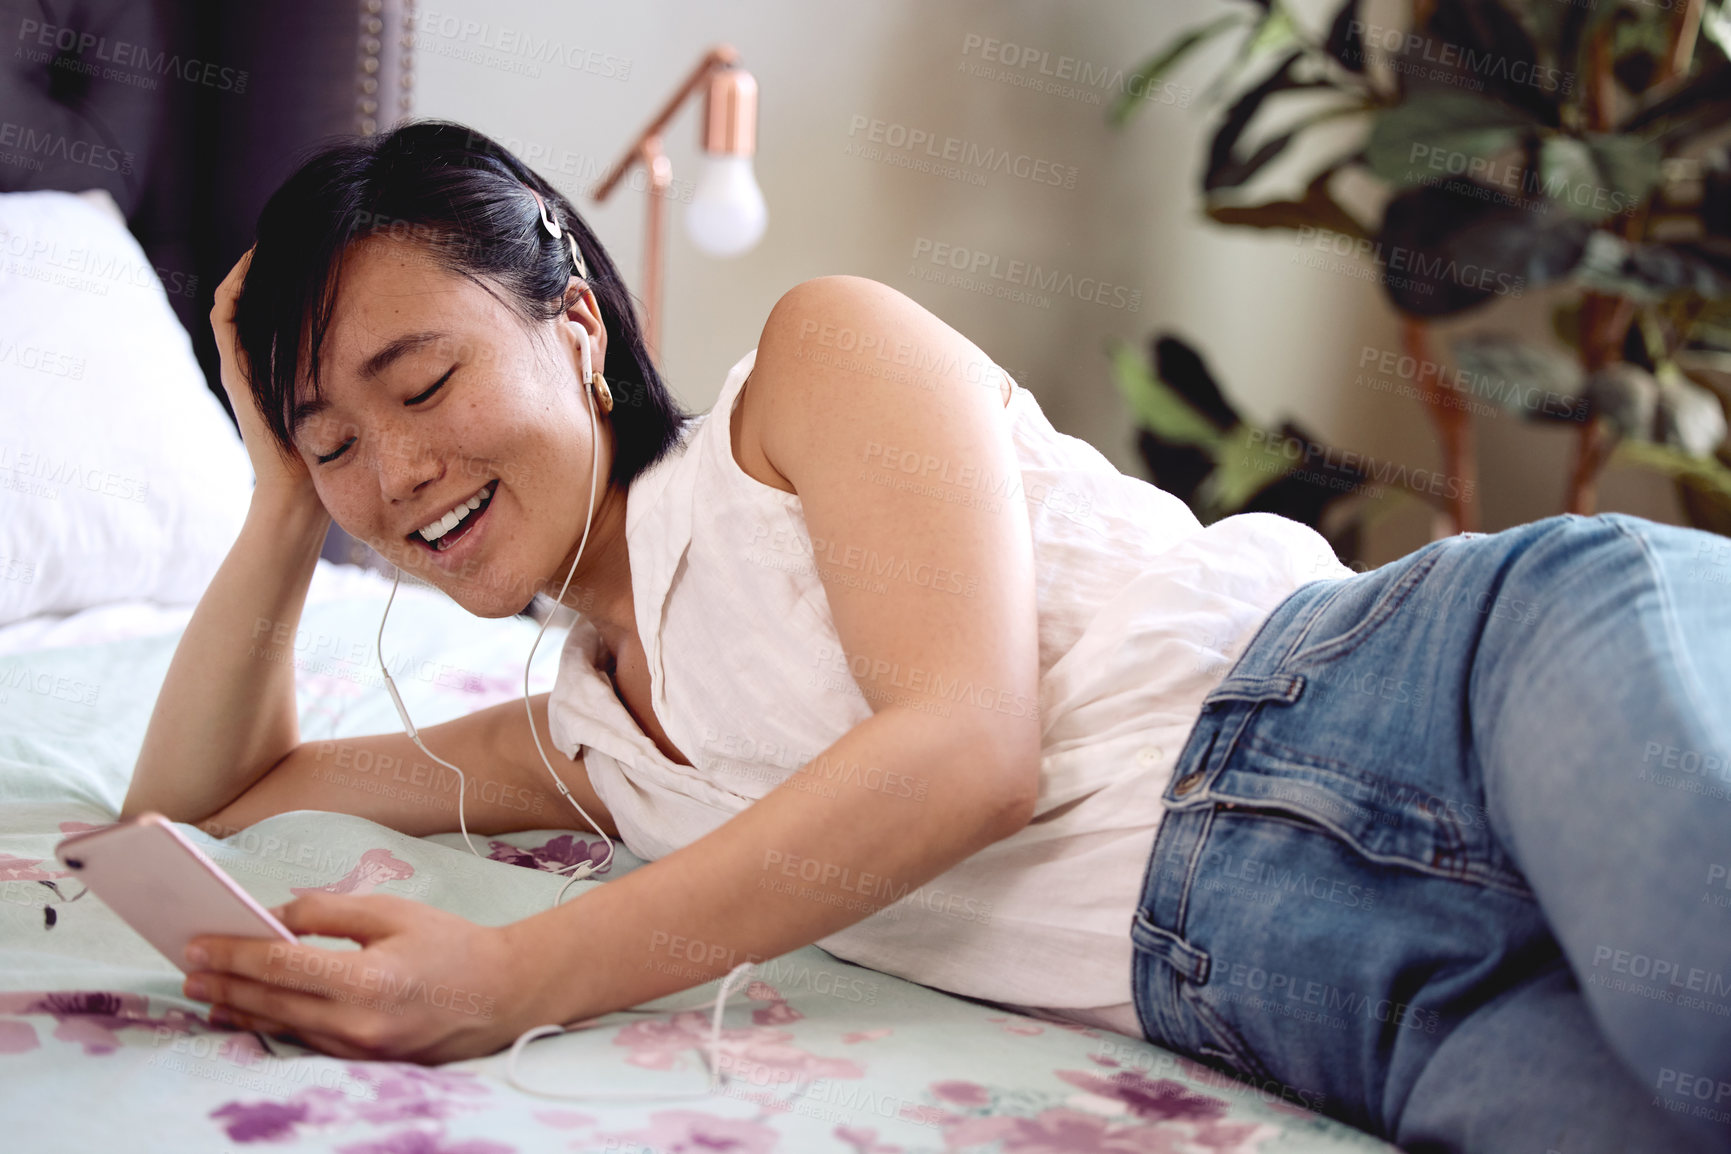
pixel 1352 613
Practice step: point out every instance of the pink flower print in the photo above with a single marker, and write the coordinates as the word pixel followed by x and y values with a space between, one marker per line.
pixel 1019 1025
pixel 564 852
pixel 762 991
pixel 1064 1131
pixel 376 867
pixel 775 1014
pixel 27 869
pixel 91 1017
pixel 657 1045
pixel 421 1142
pixel 270 1121
pixel 406 1091
pixel 964 1132
pixel 867 1035
pixel 695 1132
pixel 17 1037
pixel 1155 1100
pixel 962 1093
pixel 864 1140
pixel 564 1119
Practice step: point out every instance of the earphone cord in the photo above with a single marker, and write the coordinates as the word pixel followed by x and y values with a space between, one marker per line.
pixel 583 869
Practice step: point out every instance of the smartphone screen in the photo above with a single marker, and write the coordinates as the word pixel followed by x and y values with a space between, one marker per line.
pixel 165 887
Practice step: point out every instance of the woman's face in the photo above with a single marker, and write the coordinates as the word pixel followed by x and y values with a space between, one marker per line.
pixel 438 397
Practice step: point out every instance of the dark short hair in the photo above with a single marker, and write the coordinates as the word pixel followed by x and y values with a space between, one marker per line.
pixel 463 198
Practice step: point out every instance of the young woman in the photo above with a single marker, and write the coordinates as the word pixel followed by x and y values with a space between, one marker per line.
pixel 871 656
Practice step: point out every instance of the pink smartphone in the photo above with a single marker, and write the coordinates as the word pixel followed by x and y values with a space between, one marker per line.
pixel 163 886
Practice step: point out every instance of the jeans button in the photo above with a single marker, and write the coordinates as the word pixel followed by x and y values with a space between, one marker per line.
pixel 1186 783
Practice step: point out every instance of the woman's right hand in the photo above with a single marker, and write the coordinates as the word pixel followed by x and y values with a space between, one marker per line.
pixel 277 475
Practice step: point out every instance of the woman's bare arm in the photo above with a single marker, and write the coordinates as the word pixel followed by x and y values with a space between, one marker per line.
pixel 387 779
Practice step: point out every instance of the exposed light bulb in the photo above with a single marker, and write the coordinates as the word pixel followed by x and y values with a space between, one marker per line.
pixel 726 215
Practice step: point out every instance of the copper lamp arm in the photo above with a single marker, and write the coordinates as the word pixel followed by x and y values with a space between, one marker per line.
pixel 721 56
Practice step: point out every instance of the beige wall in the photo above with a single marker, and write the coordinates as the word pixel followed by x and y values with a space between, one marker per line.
pixel 1285 339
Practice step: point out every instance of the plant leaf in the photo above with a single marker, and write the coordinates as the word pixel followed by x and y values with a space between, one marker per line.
pixel 1433 134
pixel 1168 58
pixel 1703 104
pixel 1317 209
pixel 1535 381
pixel 1226 169
pixel 1244 463
pixel 1345 38
pixel 1447 248
pixel 1707 476
pixel 1652 272
pixel 1182 368
pixel 1155 404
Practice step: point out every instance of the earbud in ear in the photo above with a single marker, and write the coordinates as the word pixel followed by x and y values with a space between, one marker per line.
pixel 588 364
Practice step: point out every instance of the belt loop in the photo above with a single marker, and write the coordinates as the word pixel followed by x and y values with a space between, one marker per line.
pixel 1191 963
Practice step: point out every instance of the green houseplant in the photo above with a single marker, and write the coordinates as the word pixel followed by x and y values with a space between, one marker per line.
pixel 1577 147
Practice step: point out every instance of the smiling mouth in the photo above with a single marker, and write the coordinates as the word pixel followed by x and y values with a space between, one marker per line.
pixel 444 537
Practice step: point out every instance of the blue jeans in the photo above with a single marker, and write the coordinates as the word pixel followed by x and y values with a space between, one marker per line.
pixel 1448 853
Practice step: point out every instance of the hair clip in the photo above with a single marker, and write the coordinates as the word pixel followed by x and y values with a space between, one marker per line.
pixel 547 221
pixel 577 257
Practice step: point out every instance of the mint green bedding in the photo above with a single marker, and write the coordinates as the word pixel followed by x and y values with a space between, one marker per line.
pixel 99 1050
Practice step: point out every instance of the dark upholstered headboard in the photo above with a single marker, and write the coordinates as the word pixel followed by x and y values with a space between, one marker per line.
pixel 191 112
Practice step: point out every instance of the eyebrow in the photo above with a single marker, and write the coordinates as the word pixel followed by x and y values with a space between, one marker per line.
pixel 392 352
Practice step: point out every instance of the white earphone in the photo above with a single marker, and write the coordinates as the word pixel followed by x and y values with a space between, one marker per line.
pixel 583 869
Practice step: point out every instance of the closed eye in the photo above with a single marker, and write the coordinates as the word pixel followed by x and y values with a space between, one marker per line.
pixel 414 400
pixel 437 385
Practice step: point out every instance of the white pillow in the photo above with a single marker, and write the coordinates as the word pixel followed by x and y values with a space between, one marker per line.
pixel 121 477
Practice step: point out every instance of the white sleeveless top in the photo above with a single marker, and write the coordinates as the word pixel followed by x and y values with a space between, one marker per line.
pixel 1141 612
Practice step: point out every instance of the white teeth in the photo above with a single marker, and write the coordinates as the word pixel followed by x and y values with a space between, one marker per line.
pixel 451 520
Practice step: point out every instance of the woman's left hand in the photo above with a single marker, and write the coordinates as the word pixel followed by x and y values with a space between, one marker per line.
pixel 427 986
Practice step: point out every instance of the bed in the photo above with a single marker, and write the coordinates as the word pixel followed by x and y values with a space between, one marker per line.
pixel 121 486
